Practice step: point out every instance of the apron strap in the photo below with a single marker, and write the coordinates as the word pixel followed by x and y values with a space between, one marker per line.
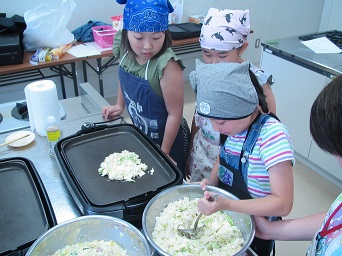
pixel 250 141
pixel 148 63
pixel 123 58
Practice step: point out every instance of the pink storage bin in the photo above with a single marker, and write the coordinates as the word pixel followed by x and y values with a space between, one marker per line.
pixel 104 35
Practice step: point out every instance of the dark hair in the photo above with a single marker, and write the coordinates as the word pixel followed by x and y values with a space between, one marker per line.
pixel 261 99
pixel 126 46
pixel 326 118
pixel 260 92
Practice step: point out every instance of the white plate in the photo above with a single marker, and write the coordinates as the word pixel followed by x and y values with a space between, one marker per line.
pixel 23 142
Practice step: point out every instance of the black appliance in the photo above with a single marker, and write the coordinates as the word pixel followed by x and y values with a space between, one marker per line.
pixel 11 49
pixel 185 30
pixel 81 154
pixel 26 212
pixel 334 36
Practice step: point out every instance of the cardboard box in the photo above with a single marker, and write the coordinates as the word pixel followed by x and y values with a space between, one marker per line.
pixel 198 18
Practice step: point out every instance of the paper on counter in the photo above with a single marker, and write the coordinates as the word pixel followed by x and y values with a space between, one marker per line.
pixel 322 45
pixel 82 50
pixel 99 48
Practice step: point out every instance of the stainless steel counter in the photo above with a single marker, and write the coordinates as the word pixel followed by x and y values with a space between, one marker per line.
pixel 48 168
pixel 292 49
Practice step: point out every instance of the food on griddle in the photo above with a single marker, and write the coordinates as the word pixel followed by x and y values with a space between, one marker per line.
pixel 124 166
pixel 218 235
pixel 96 247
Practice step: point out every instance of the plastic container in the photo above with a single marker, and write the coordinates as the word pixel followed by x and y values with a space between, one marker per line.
pixel 53 133
pixel 117 22
pixel 104 35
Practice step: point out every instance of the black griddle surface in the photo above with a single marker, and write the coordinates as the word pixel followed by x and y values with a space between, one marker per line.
pixel 81 156
pixel 24 213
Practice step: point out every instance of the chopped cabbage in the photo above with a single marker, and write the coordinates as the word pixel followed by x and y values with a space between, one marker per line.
pixel 96 247
pixel 124 166
pixel 218 235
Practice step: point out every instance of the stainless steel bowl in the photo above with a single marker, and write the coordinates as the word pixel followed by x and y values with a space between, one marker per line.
pixel 157 204
pixel 87 229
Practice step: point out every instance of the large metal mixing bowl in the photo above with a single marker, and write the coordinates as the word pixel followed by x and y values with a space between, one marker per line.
pixel 157 204
pixel 87 229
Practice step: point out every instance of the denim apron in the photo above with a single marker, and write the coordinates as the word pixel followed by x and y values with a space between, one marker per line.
pixel 232 176
pixel 148 112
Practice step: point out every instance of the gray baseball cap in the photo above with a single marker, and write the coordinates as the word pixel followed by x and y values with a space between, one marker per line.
pixel 224 90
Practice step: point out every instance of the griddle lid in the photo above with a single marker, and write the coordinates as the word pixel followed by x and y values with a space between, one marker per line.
pixel 26 212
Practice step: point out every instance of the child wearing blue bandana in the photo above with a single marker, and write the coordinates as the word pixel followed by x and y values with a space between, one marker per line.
pixel 151 83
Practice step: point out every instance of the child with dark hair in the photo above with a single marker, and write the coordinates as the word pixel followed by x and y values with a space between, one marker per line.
pixel 151 81
pixel 223 39
pixel 325 229
pixel 256 158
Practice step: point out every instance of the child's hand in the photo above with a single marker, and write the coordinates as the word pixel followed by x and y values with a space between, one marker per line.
pixel 112 111
pixel 204 183
pixel 207 206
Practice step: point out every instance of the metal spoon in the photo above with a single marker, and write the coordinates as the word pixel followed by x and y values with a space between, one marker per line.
pixel 191 232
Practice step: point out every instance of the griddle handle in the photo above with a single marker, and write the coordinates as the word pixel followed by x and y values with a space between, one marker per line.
pixel 89 127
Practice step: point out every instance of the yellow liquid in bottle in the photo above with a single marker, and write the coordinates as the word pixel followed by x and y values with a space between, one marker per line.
pixel 53 135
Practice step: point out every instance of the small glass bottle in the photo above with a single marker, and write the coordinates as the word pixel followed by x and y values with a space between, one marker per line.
pixel 53 133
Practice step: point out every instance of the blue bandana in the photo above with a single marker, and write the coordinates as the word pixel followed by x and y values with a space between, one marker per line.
pixel 146 15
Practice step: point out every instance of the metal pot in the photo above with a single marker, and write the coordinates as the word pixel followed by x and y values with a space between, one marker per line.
pixel 157 204
pixel 89 228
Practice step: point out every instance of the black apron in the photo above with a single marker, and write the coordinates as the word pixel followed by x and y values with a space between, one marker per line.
pixel 232 176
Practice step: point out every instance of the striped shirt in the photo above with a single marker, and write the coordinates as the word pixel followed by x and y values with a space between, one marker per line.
pixel 272 147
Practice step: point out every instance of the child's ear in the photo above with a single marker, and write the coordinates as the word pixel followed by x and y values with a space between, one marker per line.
pixel 243 48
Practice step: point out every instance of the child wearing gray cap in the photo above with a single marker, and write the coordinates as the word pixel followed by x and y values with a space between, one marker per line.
pixel 223 39
pixel 256 154
pixel 151 81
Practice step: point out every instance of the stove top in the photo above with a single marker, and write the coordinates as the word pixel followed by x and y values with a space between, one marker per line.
pixel 334 36
pixel 12 120
pixel 9 123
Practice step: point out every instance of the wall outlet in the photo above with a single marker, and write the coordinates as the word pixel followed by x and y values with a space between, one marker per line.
pixel 257 43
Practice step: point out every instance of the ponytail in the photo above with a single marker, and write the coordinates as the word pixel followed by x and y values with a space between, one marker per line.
pixel 261 96
pixel 260 93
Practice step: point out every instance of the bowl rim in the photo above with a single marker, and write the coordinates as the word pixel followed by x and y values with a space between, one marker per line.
pixel 102 217
pixel 209 188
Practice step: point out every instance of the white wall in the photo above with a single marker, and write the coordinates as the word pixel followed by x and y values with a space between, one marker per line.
pixel 331 15
pixel 100 10
pixel 269 20
pixel 276 19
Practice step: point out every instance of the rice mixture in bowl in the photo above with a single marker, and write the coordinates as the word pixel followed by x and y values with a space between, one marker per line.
pixel 217 235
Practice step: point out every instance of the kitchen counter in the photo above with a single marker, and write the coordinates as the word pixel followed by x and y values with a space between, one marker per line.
pixel 292 49
pixel 48 167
